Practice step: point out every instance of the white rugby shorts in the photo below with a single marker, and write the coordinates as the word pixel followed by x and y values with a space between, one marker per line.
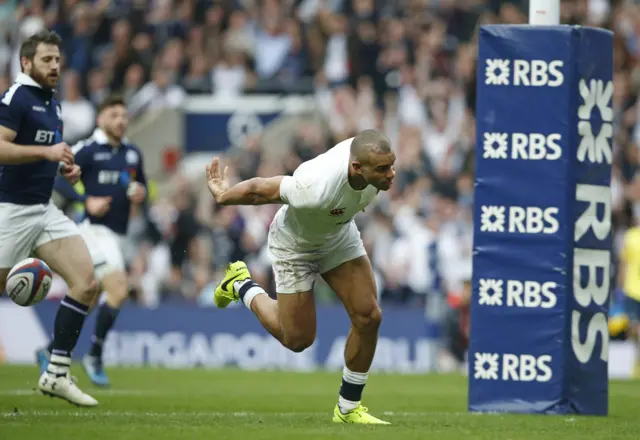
pixel 105 248
pixel 24 228
pixel 295 266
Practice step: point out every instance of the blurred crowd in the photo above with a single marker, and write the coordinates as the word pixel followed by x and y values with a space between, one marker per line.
pixel 406 67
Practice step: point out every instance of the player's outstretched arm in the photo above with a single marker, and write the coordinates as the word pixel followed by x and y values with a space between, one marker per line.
pixel 13 154
pixel 256 191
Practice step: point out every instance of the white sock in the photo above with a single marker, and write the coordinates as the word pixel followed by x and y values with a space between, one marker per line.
pixel 58 365
pixel 251 293
pixel 346 405
pixel 351 378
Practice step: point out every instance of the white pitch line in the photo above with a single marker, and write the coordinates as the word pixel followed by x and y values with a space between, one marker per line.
pixel 30 392
pixel 151 414
pixel 91 413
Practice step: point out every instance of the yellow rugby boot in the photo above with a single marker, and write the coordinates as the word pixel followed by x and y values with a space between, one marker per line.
pixel 225 293
pixel 359 415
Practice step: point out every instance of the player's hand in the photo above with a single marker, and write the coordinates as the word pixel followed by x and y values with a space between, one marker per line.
pixel 60 153
pixel 136 192
pixel 218 182
pixel 98 206
pixel 71 173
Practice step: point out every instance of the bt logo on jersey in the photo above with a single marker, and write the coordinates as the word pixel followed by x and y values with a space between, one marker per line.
pixel 45 136
pixel 106 177
pixel 512 367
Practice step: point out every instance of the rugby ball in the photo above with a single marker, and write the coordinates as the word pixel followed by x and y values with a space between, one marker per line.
pixel 29 282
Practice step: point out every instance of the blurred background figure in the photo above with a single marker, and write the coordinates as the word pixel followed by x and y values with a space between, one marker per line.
pixel 78 112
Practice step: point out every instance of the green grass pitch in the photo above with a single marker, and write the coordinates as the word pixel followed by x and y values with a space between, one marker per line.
pixel 155 404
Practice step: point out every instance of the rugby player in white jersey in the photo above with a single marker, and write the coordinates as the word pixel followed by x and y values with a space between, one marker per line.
pixel 314 233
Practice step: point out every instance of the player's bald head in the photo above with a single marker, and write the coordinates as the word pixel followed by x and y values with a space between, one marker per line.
pixel 372 159
pixel 369 143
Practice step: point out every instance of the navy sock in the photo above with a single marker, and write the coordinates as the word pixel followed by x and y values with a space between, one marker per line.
pixel 351 389
pixel 67 326
pixel 106 317
pixel 246 285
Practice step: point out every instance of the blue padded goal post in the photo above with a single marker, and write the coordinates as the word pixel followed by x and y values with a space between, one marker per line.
pixel 542 238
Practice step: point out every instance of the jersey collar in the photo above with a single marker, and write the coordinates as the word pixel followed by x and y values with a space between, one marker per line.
pixel 26 80
pixel 101 137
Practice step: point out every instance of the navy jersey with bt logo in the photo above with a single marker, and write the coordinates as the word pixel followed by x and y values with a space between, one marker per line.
pixel 106 172
pixel 35 115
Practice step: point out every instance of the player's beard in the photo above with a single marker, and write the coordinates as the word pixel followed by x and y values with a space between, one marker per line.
pixel 115 134
pixel 43 78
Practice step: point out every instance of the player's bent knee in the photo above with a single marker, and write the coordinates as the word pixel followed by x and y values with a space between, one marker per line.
pixel 115 284
pixel 84 291
pixel 90 290
pixel 117 296
pixel 369 321
pixel 298 344
pixel 299 347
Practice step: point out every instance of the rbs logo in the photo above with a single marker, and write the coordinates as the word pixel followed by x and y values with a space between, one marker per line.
pixel 592 228
pixel 591 273
pixel 521 294
pixel 513 367
pixel 526 368
pixel 531 146
pixel 519 219
pixel 524 73
pixel 45 136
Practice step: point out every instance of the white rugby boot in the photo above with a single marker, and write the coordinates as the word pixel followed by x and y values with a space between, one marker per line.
pixel 64 388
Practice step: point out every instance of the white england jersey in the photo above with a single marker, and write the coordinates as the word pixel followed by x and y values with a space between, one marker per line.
pixel 320 202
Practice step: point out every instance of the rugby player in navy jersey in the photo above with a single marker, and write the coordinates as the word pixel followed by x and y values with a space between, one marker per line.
pixel 113 178
pixel 31 155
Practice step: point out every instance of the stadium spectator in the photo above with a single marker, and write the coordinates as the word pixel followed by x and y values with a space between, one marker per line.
pixel 77 111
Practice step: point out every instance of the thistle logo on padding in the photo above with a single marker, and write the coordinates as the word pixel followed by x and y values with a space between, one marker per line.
pixel 495 145
pixel 486 366
pixel 595 148
pixel 490 292
pixel 492 219
pixel 497 72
